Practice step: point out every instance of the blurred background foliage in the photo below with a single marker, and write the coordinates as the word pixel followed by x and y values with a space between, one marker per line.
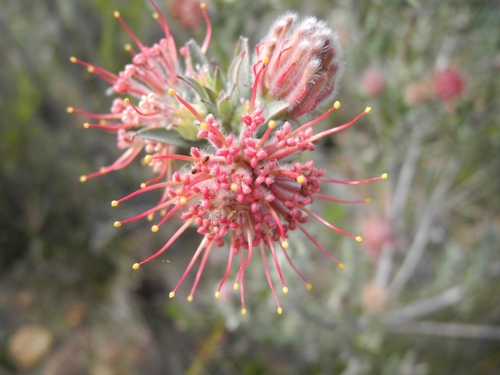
pixel 418 296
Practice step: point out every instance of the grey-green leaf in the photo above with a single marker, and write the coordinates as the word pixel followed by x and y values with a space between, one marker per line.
pixel 198 87
pixel 197 56
pixel 166 136
pixel 274 109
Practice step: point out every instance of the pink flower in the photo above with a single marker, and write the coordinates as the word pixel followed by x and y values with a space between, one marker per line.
pixel 448 84
pixel 186 12
pixel 305 63
pixel 153 70
pixel 249 191
pixel 249 187
pixel 376 232
pixel 373 82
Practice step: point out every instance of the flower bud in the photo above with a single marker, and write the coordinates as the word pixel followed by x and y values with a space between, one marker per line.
pixel 448 83
pixel 186 12
pixel 417 92
pixel 305 63
pixel 373 82
pixel 376 232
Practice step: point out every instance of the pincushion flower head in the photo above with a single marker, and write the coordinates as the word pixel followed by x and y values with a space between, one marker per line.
pixel 245 182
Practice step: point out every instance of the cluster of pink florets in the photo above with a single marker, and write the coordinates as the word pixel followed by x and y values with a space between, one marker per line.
pixel 244 183
pixel 153 70
pixel 247 188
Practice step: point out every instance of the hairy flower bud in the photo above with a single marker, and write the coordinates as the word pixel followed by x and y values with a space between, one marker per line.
pixel 305 63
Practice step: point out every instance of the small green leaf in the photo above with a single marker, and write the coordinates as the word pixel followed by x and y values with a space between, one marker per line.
pixel 243 79
pixel 238 84
pixel 212 94
pixel 274 109
pixel 198 87
pixel 166 136
pixel 234 69
pixel 187 130
pixel 226 111
pixel 218 81
pixel 197 57
pixel 211 107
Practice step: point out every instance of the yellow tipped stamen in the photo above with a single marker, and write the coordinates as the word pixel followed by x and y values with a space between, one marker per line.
pixel 90 69
pixel 236 286
pixel 280 310
pixel 204 126
pixel 148 158
pixel 190 298
pixel 136 266
pixel 284 244
pixel 114 203
pixel 285 290
pixel 265 60
pixel 309 286
pixel 359 239
pixel 243 311
pixel 102 169
pixel 117 224
pixel 368 109
pixel 368 200
pixel 150 217
pixel 341 266
pixel 102 122
pixel 171 295
pixel 70 109
pixel 116 14
pixel 203 5
pixel 154 228
pixel 217 294
pixel 72 59
pixel 86 125
pixel 83 178
pixel 143 185
pixel 301 179
pixel 271 124
pixel 336 105
pixel 126 101
pixel 127 47
pixel 163 212
pixel 183 200
pixel 155 15
pixel 234 186
pixel 171 92
pixel 384 176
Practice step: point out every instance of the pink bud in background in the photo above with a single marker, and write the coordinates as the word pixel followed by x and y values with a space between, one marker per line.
pixel 374 298
pixel 304 65
pixel 448 84
pixel 373 82
pixel 417 92
pixel 186 12
pixel 376 231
